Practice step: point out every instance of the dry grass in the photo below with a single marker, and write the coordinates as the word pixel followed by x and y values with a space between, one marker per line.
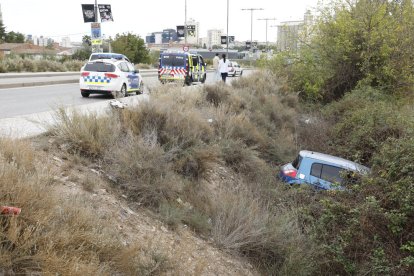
pixel 162 152
pixel 55 234
pixel 88 134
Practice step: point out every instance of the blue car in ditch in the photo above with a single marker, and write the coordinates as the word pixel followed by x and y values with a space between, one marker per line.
pixel 322 171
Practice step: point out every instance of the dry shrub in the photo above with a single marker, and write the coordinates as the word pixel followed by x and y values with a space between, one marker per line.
pixel 313 133
pixel 18 153
pixel 73 65
pixel 196 161
pixel 239 157
pixel 88 134
pixel 237 127
pixel 49 66
pixel 143 171
pixel 216 94
pixel 54 234
pixel 14 65
pixel 145 259
pixel 245 224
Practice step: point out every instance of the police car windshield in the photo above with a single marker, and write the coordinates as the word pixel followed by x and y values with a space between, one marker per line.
pixel 173 60
pixel 99 67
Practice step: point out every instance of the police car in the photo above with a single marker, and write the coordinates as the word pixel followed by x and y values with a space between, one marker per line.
pixel 110 76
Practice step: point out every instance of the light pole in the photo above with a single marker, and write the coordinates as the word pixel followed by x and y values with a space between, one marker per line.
pixel 251 23
pixel 267 19
pixel 227 29
pixel 185 24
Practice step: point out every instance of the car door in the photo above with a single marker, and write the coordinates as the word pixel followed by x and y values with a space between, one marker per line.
pixel 325 176
pixel 202 69
pixel 133 77
pixel 196 69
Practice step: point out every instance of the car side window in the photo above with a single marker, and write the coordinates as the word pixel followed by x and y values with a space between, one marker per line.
pixel 124 67
pixel 130 67
pixel 331 173
pixel 195 61
pixel 316 170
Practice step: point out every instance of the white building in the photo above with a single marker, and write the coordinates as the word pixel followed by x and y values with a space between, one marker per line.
pixel 41 41
pixel 291 34
pixel 214 38
pixel 65 42
pixel 158 37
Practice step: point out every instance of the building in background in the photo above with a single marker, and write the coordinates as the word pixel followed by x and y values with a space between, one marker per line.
pixel 291 34
pixel 65 42
pixel 169 35
pixel 214 38
pixel 42 41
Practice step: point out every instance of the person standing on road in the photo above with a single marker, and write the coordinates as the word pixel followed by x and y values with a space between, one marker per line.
pixel 224 67
pixel 216 61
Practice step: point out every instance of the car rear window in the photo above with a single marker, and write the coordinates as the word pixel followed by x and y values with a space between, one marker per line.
pixel 106 56
pixel 297 161
pixel 173 60
pixel 99 67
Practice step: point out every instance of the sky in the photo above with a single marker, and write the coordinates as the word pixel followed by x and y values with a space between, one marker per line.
pixel 59 18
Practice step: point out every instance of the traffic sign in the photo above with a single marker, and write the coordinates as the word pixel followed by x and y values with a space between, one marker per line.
pixel 186 48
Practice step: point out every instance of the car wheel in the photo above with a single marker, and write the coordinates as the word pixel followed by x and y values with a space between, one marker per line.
pixel 241 73
pixel 204 78
pixel 122 93
pixel 141 88
pixel 85 94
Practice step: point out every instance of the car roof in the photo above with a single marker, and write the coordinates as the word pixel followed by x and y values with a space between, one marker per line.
pixel 338 161
pixel 107 60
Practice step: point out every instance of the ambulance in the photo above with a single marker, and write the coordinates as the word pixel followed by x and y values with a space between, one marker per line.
pixel 181 67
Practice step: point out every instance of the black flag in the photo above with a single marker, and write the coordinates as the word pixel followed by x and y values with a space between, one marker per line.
pixel 105 13
pixel 88 13
pixel 180 31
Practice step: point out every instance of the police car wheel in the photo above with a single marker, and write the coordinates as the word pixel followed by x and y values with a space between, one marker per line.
pixel 85 94
pixel 141 88
pixel 124 92
pixel 204 78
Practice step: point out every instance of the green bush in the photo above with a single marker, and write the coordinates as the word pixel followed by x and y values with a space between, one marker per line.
pixel 360 134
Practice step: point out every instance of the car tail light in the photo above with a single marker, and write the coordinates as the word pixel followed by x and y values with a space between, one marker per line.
pixel 290 173
pixel 112 76
pixel 85 74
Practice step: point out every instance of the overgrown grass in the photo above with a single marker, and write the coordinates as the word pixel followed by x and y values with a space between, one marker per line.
pixel 18 64
pixel 183 154
pixel 56 233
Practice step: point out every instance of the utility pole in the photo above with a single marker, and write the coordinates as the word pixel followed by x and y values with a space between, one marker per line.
pixel 185 24
pixel 97 47
pixel 227 29
pixel 251 24
pixel 267 19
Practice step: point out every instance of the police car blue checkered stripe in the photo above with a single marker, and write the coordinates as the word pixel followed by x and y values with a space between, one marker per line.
pixel 97 79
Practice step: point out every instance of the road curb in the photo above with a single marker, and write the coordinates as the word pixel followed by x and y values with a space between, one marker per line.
pixel 31 84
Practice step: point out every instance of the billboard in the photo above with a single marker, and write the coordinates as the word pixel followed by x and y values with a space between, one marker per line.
pixel 180 31
pixel 88 12
pixel 106 13
pixel 223 39
pixel 96 36
pixel 190 30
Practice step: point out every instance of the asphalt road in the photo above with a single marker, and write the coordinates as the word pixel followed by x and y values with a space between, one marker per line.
pixel 29 100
